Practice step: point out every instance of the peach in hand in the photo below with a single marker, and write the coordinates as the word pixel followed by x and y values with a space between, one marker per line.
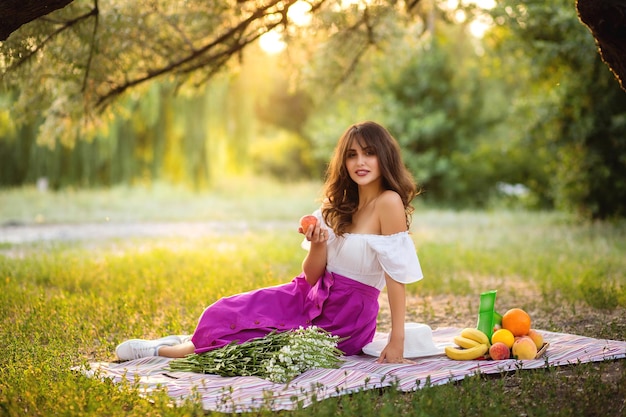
pixel 499 351
pixel 306 221
pixel 524 348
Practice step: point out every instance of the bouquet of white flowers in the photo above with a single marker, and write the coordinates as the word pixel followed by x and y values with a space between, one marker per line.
pixel 278 357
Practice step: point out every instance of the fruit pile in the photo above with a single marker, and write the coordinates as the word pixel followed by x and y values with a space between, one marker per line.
pixel 514 338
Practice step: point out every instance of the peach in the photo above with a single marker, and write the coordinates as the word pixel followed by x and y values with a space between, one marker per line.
pixel 499 351
pixel 537 338
pixel 306 221
pixel 524 348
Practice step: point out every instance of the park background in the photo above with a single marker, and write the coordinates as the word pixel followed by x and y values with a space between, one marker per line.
pixel 208 126
pixel 494 103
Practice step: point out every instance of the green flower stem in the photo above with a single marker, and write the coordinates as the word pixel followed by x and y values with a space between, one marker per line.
pixel 277 356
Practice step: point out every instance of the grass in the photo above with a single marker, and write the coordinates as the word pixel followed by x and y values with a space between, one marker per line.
pixel 68 303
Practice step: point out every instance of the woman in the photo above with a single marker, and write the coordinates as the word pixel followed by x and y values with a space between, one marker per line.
pixel 359 245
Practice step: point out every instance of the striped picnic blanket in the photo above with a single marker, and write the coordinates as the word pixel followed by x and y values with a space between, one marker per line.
pixel 360 372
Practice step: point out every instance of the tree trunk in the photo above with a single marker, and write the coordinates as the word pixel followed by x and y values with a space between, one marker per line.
pixel 15 13
pixel 606 19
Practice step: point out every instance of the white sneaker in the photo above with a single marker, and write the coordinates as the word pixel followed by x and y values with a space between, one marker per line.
pixel 184 338
pixel 140 348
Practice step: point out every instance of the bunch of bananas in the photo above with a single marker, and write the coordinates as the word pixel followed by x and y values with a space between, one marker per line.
pixel 472 344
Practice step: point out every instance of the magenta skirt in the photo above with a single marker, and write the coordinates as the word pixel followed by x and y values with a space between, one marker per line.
pixel 340 305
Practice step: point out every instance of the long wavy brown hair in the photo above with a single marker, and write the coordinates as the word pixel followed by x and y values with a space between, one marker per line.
pixel 341 194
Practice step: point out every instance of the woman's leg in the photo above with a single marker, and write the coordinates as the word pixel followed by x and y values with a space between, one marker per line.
pixel 141 348
pixel 177 351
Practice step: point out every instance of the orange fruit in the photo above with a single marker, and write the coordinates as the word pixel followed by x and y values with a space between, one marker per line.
pixel 503 335
pixel 517 321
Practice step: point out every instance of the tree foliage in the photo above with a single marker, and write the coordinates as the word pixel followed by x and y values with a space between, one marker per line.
pixel 75 62
pixel 437 112
pixel 575 107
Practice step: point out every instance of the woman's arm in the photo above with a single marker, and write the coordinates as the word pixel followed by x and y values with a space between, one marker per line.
pixel 392 217
pixel 314 264
pixel 394 351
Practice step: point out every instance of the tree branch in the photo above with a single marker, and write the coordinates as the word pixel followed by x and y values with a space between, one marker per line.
pixel 15 13
pixel 92 47
pixel 66 25
pixel 217 60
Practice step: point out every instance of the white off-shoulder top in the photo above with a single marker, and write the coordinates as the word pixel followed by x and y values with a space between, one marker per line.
pixel 366 257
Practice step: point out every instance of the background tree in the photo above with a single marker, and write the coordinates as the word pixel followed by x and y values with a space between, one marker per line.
pixel 572 107
pixel 99 50
pixel 607 20
pixel 77 60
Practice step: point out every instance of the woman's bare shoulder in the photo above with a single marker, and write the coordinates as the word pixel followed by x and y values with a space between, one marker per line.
pixel 390 199
pixel 391 213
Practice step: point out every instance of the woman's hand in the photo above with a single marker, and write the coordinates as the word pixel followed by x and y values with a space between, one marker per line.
pixel 314 264
pixel 393 353
pixel 315 233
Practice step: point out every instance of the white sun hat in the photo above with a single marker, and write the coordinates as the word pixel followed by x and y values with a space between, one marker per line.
pixel 418 342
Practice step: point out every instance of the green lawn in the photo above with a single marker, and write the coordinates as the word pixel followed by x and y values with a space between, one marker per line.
pixel 66 303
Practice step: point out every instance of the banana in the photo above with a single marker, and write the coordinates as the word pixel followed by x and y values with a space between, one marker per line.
pixel 466 354
pixel 475 334
pixel 465 342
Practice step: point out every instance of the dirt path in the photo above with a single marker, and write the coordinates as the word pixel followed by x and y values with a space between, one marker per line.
pixel 23 234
